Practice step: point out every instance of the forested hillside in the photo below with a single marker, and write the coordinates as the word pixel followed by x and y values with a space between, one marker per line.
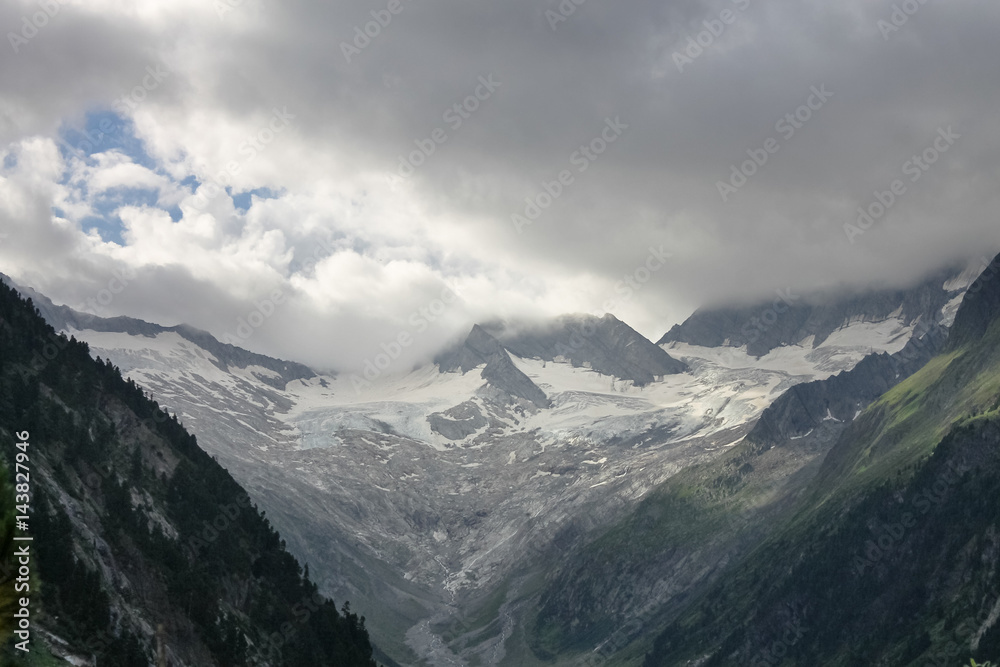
pixel 141 541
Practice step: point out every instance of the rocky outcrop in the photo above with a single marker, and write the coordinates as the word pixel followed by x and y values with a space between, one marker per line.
pixel 499 371
pixel 459 422
pixel 979 307
pixel 605 344
pixel 790 319
pixel 840 397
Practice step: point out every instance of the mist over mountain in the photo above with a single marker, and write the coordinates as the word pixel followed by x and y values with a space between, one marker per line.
pixel 499 334
pixel 790 318
pixel 605 344
pixel 543 492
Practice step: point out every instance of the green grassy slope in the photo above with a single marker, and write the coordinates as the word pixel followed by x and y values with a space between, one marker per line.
pixel 619 590
pixel 891 557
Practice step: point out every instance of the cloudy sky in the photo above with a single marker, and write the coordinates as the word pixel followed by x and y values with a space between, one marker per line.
pixel 415 165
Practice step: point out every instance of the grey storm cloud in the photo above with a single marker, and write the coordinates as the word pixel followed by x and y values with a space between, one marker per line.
pixel 686 129
pixel 749 134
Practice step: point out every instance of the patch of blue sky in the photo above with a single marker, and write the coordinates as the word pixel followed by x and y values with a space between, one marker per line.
pixel 191 183
pixel 110 200
pixel 106 206
pixel 244 200
pixel 107 222
pixel 109 228
pixel 104 131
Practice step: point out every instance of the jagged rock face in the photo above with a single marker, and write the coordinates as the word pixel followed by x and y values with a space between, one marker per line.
pixel 499 371
pixel 478 348
pixel 605 344
pixel 841 397
pixel 791 319
pixel 459 422
pixel 979 308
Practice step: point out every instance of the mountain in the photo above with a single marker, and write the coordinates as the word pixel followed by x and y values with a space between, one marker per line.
pixel 979 308
pixel 604 344
pixel 500 373
pixel 224 356
pixel 449 502
pixel 141 544
pixel 839 398
pixel 611 594
pixel 608 597
pixel 889 555
pixel 792 319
